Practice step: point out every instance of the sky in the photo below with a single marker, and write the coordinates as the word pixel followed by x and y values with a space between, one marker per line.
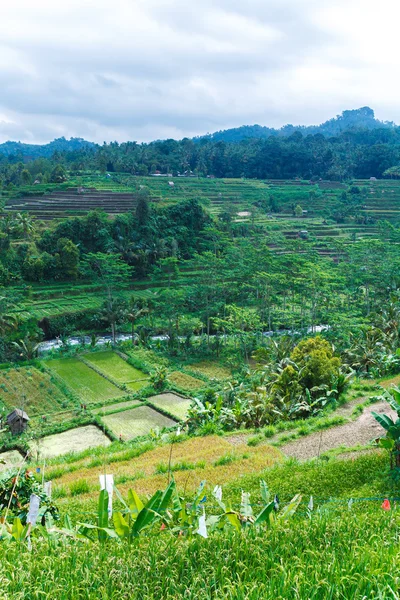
pixel 154 69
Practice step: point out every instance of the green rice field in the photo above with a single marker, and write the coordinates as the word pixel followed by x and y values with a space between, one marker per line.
pixel 116 367
pixel 89 385
pixel 172 403
pixel 136 422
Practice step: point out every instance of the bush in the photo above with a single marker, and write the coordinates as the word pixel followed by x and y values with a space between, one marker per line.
pixel 79 487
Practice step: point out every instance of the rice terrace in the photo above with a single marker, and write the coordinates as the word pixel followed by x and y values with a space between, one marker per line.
pixel 200 334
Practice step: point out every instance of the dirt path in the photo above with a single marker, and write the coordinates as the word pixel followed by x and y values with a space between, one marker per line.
pixel 358 432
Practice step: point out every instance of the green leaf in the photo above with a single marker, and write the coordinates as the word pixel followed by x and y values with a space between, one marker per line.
pixel 245 507
pixel 120 497
pixel 135 503
pixel 102 520
pixel 291 508
pixel 265 494
pixel 19 532
pixel 386 443
pixel 147 515
pixel 266 514
pixel 121 526
pixel 233 520
pixel 383 420
pixel 166 497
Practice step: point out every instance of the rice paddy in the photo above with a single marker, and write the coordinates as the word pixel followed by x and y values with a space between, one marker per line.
pixel 136 422
pixel 30 389
pixel 116 367
pixel 73 440
pixel 84 381
pixel 172 403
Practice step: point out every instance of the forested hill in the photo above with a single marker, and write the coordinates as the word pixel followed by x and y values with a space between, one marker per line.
pixel 44 150
pixel 361 118
pixel 362 147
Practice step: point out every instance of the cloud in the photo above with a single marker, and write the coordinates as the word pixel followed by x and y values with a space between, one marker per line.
pixel 150 69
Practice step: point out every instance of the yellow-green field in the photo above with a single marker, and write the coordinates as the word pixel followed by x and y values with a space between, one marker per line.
pixel 29 388
pixel 172 403
pixel 136 422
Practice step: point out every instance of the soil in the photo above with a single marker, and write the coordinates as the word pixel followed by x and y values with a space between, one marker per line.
pixel 359 432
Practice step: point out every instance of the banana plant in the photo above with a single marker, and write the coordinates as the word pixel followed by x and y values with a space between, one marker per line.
pixel 245 518
pixel 391 441
pixel 14 531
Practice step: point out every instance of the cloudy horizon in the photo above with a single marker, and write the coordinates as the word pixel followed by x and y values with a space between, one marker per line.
pixel 154 69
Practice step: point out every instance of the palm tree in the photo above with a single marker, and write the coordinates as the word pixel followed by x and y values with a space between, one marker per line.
pixel 28 347
pixel 7 320
pixel 133 314
pixel 25 224
pixel 113 311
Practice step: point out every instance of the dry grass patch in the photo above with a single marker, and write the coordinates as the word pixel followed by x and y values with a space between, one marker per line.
pixel 211 369
pixel 220 464
pixel 185 382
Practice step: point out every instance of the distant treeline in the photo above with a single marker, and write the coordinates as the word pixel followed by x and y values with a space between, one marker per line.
pixel 367 148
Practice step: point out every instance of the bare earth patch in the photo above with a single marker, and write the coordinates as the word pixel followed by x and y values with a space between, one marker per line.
pixel 359 432
pixel 74 440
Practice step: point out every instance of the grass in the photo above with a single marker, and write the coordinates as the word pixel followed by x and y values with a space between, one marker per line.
pixel 332 553
pixel 352 557
pixel 136 422
pixel 116 367
pixel 30 388
pixel 89 385
pixel 172 403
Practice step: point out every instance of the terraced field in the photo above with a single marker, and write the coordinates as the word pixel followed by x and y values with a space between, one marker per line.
pixel 172 403
pixel 136 422
pixel 73 440
pixel 89 385
pixel 31 389
pixel 116 367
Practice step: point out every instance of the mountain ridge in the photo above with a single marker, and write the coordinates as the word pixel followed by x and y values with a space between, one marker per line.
pixel 349 120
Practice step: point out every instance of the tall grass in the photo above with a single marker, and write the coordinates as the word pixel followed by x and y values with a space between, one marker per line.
pixel 353 555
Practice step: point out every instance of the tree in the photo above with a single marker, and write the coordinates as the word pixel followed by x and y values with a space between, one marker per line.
pixel 113 311
pixel 316 361
pixel 143 208
pixel 298 211
pixel 68 257
pixel 109 270
pixel 24 223
pixel 134 312
pixel 58 174
pixel 28 347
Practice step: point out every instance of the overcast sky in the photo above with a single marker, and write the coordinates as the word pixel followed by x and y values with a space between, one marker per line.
pixel 150 69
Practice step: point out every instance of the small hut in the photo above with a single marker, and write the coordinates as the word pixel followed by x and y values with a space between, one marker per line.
pixel 17 421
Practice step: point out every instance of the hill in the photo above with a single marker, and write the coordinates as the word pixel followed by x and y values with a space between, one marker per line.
pixel 44 150
pixel 361 118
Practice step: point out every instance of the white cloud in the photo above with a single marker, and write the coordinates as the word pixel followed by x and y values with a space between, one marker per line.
pixel 149 69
